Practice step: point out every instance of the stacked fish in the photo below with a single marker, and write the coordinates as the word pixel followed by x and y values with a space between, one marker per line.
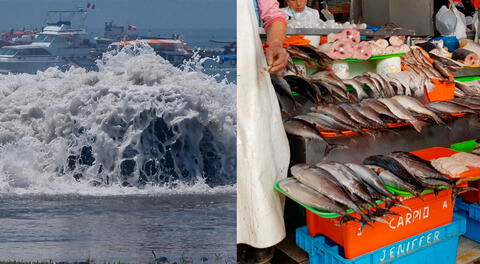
pixel 468 54
pixel 366 116
pixel 408 172
pixel 419 62
pixel 336 187
pixel 312 58
pixel 326 87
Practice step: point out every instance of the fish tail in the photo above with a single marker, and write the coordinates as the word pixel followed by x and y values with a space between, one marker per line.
pixel 418 125
pixel 398 204
pixel 439 120
pixel 347 218
pixel 457 190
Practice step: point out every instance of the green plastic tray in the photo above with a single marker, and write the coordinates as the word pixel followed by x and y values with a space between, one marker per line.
pixel 324 214
pixel 377 57
pixel 467 78
pixel 465 146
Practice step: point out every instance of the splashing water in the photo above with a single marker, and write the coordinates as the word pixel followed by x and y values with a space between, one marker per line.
pixel 138 122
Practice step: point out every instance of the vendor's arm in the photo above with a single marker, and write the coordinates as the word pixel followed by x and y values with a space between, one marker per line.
pixel 275 25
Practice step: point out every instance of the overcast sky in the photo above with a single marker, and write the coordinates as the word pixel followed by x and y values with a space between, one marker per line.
pixel 141 13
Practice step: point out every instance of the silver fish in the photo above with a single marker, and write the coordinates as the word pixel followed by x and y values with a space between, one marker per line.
pixel 448 107
pixel 358 88
pixel 402 113
pixel 308 196
pixel 414 105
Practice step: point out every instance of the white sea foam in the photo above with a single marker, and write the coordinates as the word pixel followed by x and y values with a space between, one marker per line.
pixel 138 121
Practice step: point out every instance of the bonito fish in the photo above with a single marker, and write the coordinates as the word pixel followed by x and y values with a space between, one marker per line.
pixel 308 196
pixel 445 107
pixel 414 105
pixel 402 113
pixel 322 181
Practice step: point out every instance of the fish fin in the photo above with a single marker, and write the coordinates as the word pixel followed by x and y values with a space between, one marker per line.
pixel 329 147
pixel 439 121
pixel 418 125
pixel 352 98
pixel 403 206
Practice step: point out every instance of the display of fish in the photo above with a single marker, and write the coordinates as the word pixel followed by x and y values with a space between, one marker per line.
pixel 402 113
pixel 422 171
pixel 414 105
pixel 308 196
pixel 445 107
pixel 323 182
pixel 300 129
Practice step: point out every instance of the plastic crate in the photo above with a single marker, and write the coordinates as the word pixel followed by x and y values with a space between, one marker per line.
pixel 472 213
pixel 472 196
pixel 438 246
pixel 432 212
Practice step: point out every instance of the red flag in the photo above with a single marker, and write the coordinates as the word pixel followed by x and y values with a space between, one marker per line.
pixel 88 4
pixel 131 27
pixel 93 6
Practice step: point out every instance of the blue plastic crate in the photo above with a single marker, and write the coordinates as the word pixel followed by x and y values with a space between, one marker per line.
pixel 472 213
pixel 438 246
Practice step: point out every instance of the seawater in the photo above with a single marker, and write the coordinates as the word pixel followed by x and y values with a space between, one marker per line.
pixel 113 164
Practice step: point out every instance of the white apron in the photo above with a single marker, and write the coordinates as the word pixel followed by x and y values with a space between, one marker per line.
pixel 262 148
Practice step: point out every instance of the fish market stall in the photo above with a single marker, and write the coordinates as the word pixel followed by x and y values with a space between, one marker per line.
pixel 383 124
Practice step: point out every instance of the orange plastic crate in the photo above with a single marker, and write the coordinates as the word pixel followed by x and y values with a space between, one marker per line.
pixel 425 215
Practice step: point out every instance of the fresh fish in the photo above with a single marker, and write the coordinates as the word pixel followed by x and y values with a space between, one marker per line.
pixel 356 116
pixel 466 103
pixel 308 196
pixel 380 108
pixel 323 60
pixel 335 112
pixel 467 89
pixel 398 86
pixel 375 90
pixel 443 71
pixel 345 176
pixel 334 90
pixel 444 107
pixel 370 114
pixel 335 123
pixel 393 166
pixel 393 180
pixel 282 87
pixel 371 178
pixel 402 113
pixel 304 87
pixel 387 88
pixel 414 105
pixel 404 78
pixel 323 182
pixel 318 123
pixel 358 88
pixel 421 170
pixel 300 129
pixel 297 54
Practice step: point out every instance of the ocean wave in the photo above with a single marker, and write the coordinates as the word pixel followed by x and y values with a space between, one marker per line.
pixel 138 125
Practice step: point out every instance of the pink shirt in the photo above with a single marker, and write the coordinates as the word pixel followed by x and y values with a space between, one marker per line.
pixel 270 12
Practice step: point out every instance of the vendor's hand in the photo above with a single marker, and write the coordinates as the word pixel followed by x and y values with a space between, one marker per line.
pixel 277 58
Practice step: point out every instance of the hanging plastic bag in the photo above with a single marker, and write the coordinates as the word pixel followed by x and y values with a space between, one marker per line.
pixel 461 25
pixel 475 24
pixel 445 21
